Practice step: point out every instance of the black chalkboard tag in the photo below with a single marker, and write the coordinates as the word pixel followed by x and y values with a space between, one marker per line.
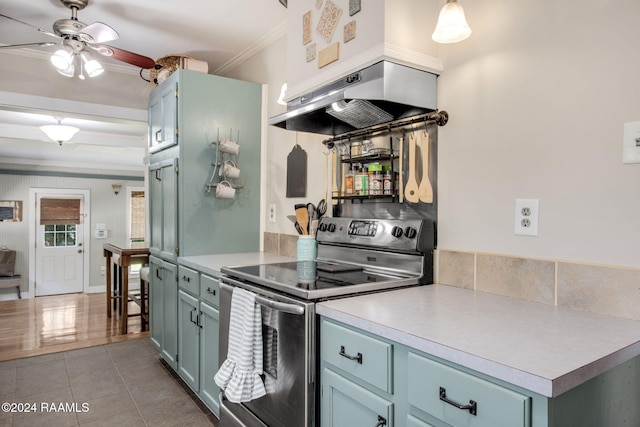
pixel 297 172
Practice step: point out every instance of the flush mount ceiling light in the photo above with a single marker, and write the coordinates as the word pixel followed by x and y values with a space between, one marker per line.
pixel 59 133
pixel 452 25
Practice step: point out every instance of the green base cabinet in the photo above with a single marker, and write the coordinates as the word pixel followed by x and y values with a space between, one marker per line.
pixel 198 334
pixel 426 391
pixel 163 308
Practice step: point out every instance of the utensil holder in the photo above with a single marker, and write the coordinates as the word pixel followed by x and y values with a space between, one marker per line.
pixel 307 248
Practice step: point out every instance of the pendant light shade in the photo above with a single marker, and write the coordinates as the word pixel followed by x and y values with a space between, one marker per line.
pixel 452 25
pixel 59 133
pixel 62 58
pixel 91 66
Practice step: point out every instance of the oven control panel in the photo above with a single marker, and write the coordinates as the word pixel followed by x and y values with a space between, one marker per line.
pixel 391 234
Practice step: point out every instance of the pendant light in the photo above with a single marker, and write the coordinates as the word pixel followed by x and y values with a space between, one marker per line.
pixel 59 133
pixel 452 25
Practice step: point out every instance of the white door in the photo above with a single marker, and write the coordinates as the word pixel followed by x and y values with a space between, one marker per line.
pixel 59 246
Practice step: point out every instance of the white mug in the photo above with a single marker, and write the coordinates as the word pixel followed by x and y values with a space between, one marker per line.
pixel 225 191
pixel 229 170
pixel 229 146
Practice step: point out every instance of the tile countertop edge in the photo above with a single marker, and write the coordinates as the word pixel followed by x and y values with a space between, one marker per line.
pixel 548 387
pixel 211 264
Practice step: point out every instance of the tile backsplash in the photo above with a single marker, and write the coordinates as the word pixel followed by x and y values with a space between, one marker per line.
pixel 609 290
pixel 604 289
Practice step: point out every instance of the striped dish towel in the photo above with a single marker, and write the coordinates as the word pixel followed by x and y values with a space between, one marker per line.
pixel 239 375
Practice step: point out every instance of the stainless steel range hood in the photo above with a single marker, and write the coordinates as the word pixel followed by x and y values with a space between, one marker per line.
pixel 380 93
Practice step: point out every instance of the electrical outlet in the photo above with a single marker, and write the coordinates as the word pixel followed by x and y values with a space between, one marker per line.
pixel 526 223
pixel 272 212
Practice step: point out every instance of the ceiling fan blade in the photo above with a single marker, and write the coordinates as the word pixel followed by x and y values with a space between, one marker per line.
pixel 125 56
pixel 16 46
pixel 43 31
pixel 98 33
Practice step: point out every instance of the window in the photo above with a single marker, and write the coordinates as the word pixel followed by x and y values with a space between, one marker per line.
pixel 60 235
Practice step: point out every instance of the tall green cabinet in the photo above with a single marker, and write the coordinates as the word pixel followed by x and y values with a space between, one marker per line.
pixel 189 114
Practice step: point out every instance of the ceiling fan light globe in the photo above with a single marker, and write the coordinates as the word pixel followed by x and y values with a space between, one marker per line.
pixel 93 68
pixel 62 58
pixel 68 72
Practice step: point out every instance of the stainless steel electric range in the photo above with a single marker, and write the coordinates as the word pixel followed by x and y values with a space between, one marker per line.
pixel 355 256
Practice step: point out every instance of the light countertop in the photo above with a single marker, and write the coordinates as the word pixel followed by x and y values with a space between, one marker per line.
pixel 542 348
pixel 211 264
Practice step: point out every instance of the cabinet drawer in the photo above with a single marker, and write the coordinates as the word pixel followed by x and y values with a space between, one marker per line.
pixel 188 280
pixel 366 358
pixel 430 382
pixel 210 290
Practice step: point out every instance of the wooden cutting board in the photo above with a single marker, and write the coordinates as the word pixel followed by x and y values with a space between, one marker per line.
pixel 297 172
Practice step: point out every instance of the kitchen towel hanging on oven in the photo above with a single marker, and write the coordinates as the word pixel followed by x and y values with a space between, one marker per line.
pixel 239 375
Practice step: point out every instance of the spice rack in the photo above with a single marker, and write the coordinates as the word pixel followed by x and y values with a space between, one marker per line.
pixel 372 156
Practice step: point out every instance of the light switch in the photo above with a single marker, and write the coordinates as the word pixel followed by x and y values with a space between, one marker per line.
pixel 631 143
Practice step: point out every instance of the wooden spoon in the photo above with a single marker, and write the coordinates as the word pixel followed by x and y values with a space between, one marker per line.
pixel 303 218
pixel 411 189
pixel 334 186
pixel 425 191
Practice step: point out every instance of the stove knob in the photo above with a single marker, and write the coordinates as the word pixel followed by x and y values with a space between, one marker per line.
pixel 331 228
pixel 323 227
pixel 410 232
pixel 396 231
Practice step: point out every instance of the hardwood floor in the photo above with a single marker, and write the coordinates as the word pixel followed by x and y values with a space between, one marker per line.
pixel 42 325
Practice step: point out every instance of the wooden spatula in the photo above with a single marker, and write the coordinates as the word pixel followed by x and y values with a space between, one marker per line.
pixel 411 189
pixel 425 190
pixel 302 215
pixel 334 172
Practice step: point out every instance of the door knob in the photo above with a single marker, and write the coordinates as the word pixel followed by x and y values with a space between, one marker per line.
pixel 79 251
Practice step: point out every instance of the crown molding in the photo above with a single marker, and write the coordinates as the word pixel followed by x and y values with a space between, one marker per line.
pixel 266 40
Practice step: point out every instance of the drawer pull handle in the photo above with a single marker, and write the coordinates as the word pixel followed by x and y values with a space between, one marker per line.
pixel 212 292
pixel 186 279
pixel 382 421
pixel 357 357
pixel 472 406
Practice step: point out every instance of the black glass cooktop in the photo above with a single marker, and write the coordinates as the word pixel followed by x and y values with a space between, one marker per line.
pixel 313 279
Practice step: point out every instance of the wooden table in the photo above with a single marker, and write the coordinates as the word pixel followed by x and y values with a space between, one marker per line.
pixel 126 257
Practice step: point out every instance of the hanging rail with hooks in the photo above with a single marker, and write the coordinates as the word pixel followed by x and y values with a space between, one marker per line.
pixel 439 118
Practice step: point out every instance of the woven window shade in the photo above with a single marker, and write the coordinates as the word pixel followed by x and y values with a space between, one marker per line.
pixel 137 215
pixel 59 211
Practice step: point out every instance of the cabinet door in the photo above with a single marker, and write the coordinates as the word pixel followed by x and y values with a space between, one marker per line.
pixel 163 117
pixel 188 340
pixel 163 203
pixel 156 301
pixel 346 404
pixel 170 313
pixel 209 345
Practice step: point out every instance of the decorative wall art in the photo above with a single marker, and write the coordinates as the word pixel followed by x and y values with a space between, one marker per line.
pixel 354 7
pixel 311 52
pixel 328 20
pixel 350 31
pixel 329 54
pixel 306 28
pixel 319 4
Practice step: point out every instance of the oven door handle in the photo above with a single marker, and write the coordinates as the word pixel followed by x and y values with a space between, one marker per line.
pixel 280 306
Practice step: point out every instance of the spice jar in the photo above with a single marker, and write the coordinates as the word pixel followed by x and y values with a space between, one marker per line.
pixel 375 179
pixel 387 181
pixel 356 149
pixel 361 182
pixel 349 183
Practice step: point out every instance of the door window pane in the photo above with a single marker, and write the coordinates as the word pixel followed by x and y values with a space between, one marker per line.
pixel 60 235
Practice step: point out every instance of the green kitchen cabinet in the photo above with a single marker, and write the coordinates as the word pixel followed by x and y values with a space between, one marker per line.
pixel 198 334
pixel 163 312
pixel 189 339
pixel 163 117
pixel 163 203
pixel 427 391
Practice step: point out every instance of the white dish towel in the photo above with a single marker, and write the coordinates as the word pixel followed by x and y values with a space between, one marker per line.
pixel 239 375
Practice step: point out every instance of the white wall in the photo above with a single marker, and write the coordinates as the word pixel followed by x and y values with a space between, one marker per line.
pixel 537 97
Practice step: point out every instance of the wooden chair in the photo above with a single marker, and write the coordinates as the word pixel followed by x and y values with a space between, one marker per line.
pixel 141 297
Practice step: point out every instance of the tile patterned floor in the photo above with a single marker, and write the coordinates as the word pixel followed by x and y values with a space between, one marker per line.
pixel 119 384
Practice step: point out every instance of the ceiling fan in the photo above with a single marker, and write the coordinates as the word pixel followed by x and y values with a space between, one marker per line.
pixel 77 40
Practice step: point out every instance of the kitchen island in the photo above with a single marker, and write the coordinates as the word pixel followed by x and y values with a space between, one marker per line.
pixel 548 354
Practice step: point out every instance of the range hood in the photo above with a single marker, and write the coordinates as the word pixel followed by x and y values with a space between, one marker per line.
pixel 380 93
